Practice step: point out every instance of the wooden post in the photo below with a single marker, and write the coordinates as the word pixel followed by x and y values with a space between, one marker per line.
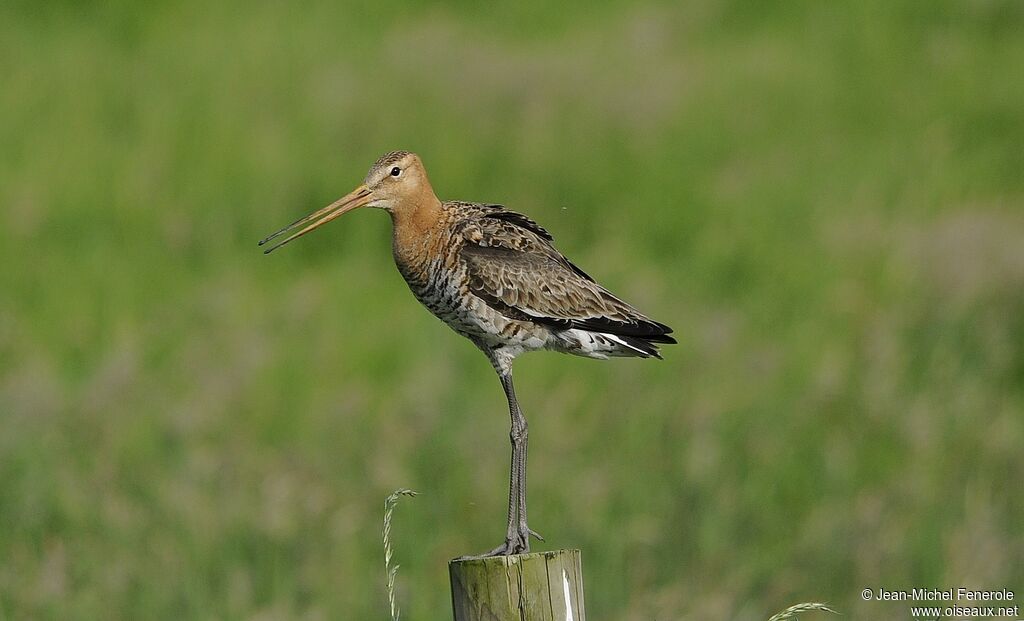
pixel 543 586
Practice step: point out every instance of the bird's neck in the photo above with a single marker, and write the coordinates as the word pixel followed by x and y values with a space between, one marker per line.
pixel 415 224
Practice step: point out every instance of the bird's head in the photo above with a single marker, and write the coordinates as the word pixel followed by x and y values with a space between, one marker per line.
pixel 396 182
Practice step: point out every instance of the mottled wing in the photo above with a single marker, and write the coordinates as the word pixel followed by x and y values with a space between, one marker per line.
pixel 514 268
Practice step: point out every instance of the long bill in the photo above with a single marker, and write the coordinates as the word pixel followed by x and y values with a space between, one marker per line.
pixel 354 199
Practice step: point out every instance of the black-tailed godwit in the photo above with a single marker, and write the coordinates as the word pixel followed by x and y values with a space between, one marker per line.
pixel 494 276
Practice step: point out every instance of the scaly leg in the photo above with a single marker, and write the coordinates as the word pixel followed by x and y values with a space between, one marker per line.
pixel 520 428
pixel 517 535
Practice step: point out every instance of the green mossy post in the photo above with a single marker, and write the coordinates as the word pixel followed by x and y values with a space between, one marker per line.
pixel 543 586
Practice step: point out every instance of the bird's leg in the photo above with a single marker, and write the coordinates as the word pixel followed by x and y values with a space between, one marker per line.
pixel 520 435
pixel 517 536
pixel 514 492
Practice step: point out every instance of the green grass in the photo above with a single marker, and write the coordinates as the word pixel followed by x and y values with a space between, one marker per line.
pixel 825 200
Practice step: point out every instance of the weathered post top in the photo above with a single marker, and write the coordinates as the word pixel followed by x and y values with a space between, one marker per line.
pixel 543 586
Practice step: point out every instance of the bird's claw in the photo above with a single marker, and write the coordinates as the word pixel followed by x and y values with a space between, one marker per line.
pixel 518 544
pixel 505 549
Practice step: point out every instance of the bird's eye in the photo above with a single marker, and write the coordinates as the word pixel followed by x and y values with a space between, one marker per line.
pixel 396 171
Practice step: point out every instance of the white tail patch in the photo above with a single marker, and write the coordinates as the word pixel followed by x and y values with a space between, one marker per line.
pixel 613 337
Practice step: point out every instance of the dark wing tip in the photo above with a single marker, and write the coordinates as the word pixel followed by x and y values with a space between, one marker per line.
pixel 645 329
pixel 644 347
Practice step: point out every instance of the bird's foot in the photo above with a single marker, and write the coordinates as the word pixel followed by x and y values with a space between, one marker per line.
pixel 506 549
pixel 525 532
pixel 518 543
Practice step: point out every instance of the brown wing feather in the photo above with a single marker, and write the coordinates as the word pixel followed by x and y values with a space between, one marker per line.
pixel 514 268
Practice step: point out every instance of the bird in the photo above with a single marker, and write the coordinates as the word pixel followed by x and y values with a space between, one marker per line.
pixel 495 277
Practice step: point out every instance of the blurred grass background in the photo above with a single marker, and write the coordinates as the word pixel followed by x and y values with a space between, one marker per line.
pixel 825 200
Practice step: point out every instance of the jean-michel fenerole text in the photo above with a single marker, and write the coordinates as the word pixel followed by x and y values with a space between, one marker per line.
pixel 945 595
